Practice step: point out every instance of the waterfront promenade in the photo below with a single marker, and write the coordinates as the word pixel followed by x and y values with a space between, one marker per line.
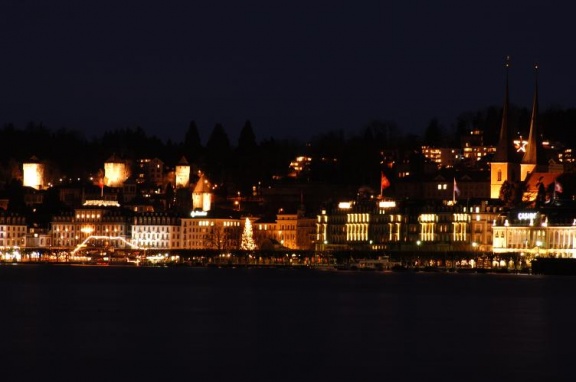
pixel 362 261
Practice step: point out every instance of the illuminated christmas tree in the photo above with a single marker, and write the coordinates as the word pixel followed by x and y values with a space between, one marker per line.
pixel 247 243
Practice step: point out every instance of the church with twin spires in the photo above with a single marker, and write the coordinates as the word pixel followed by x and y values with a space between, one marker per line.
pixel 514 164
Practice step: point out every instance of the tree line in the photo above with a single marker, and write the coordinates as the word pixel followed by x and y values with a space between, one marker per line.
pixel 352 157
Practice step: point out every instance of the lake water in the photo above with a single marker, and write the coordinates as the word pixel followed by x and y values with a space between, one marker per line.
pixel 137 324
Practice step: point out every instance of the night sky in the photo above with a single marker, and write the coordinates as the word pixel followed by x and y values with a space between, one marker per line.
pixel 294 68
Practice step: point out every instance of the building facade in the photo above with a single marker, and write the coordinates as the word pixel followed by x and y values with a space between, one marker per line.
pixel 529 233
pixel 106 227
pixel 156 231
pixel 13 231
pixel 388 226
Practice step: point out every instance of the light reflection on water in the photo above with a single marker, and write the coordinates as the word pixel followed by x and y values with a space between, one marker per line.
pixel 281 324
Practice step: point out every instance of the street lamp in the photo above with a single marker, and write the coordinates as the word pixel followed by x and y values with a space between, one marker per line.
pixel 418 244
pixel 538 245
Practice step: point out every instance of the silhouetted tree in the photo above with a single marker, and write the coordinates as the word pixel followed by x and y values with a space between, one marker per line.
pixel 192 144
pixel 15 192
pixel 246 140
pixel 218 153
pixel 247 158
pixel 434 134
pixel 511 193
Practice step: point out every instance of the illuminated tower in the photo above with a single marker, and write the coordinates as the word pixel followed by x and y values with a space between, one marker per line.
pixel 182 173
pixel 533 154
pixel 115 172
pixel 34 174
pixel 503 167
pixel 202 195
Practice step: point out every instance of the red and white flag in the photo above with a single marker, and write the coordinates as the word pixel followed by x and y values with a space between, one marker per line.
pixel 455 192
pixel 557 186
pixel 384 182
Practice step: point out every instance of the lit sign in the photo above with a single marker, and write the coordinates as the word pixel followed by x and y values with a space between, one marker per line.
pixel 345 205
pixel 387 204
pixel 198 213
pixel 527 215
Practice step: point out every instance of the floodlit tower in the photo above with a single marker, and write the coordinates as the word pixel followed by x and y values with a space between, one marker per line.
pixel 115 172
pixel 34 174
pixel 533 154
pixel 182 173
pixel 202 195
pixel 503 167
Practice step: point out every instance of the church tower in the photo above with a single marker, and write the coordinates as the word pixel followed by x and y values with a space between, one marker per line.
pixel 504 167
pixel 533 156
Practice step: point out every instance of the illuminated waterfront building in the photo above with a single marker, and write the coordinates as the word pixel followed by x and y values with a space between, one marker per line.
pixel 287 225
pixel 528 233
pixel 110 225
pixel 289 230
pixel 156 231
pixel 38 238
pixel 265 231
pixel 367 225
pixel 13 230
pixel 204 230
pixel 390 227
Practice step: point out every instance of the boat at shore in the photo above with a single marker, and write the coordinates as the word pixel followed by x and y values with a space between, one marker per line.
pixel 382 263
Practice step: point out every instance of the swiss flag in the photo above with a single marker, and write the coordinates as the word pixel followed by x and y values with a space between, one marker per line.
pixel 557 187
pixel 384 182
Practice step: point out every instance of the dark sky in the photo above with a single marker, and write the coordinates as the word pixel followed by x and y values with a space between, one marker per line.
pixel 294 68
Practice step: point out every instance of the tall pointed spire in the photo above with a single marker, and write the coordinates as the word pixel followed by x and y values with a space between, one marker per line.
pixel 505 166
pixel 504 148
pixel 531 155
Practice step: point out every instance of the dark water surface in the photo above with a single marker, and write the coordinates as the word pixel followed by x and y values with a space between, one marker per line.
pixel 137 324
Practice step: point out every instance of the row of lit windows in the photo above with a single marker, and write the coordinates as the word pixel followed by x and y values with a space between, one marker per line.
pixel 460 217
pixel 9 235
pixel 87 216
pixel 8 243
pixel 358 218
pixel 151 229
pixel 13 228
pixel 155 236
